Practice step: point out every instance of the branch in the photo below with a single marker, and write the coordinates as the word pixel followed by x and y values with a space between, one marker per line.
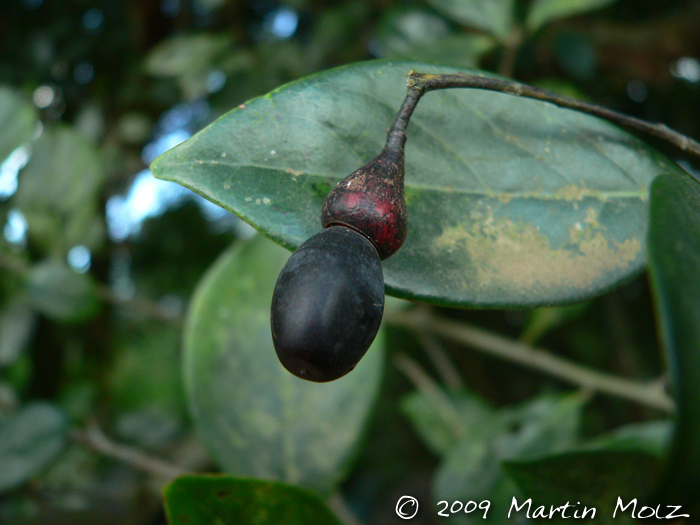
pixel 141 304
pixel 422 320
pixel 94 438
pixel 441 361
pixel 419 83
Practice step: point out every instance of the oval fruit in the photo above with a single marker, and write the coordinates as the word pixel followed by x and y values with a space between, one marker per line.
pixel 328 304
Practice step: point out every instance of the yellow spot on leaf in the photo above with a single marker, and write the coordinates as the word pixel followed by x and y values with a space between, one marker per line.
pixel 506 255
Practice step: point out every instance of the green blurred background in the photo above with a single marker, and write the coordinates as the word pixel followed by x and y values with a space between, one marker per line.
pixel 98 259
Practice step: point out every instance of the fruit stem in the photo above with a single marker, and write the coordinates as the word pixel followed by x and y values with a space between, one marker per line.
pixel 420 83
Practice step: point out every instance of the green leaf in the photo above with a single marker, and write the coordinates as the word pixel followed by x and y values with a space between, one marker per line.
pixel 219 500
pixel 595 479
pixel 256 418
pixel 17 121
pixel 544 425
pixel 494 16
pixel 60 293
pixel 511 202
pixel 674 264
pixel 419 35
pixel 472 469
pixel 441 420
pixel 181 54
pixel 145 382
pixel 29 441
pixel 58 192
pixel 652 438
pixel 543 11
pixel 542 320
pixel 16 324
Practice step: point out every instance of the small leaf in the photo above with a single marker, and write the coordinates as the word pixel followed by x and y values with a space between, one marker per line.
pixel 17 121
pixel 16 324
pixel 544 425
pixel 674 264
pixel 412 33
pixel 442 422
pixel 543 11
pixel 542 320
pixel 594 479
pixel 60 293
pixel 182 54
pixel 472 469
pixel 652 438
pixel 255 417
pixel 59 192
pixel 207 500
pixel 510 201
pixel 29 441
pixel 494 16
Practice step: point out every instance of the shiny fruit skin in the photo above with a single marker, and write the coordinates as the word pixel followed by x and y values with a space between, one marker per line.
pixel 327 305
pixel 371 200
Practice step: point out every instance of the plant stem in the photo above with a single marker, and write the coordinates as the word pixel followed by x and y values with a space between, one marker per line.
pixel 140 304
pixel 422 320
pixel 94 438
pixel 420 83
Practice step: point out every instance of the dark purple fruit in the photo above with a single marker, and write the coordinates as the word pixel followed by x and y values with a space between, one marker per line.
pixel 328 304
pixel 371 200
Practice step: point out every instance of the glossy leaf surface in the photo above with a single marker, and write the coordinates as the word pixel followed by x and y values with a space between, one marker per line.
pixel 206 500
pixel 510 201
pixel 674 262
pixel 255 417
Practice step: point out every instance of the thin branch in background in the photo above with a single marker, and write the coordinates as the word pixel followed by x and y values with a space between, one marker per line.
pixel 93 437
pixel 140 304
pixel 422 381
pixel 421 319
pixel 510 51
pixel 441 361
pixel 342 511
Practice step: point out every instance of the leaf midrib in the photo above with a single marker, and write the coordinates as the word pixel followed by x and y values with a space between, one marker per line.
pixel 641 193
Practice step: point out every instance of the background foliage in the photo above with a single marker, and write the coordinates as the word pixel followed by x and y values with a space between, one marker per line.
pixel 99 264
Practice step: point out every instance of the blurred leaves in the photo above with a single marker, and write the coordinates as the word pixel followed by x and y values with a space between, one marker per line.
pixel 494 16
pixel 472 469
pixel 420 35
pixel 542 320
pixel 145 383
pixel 29 441
pixel 17 121
pixel 256 418
pixel 16 323
pixel 543 11
pixel 652 438
pixel 123 367
pixel 594 479
pixel 199 62
pixel 472 439
pixel 60 293
pixel 202 500
pixel 59 191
